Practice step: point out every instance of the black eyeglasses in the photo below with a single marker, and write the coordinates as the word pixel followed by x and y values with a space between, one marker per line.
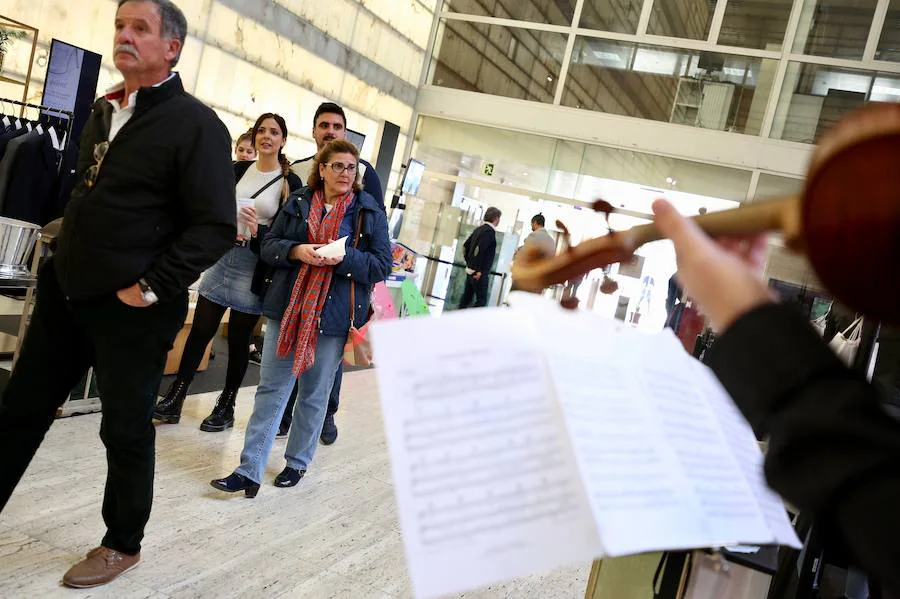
pixel 340 167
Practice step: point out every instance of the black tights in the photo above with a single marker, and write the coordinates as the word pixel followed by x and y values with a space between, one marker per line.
pixel 207 317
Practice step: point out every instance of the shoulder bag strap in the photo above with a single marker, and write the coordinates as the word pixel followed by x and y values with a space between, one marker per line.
pixel 357 234
pixel 267 186
pixel 852 328
pixel 857 332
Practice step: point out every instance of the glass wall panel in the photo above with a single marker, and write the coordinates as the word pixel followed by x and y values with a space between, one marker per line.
pixel 516 159
pixel 498 60
pixel 702 89
pixel 889 44
pixel 681 18
pixel 539 164
pixel 455 154
pixel 620 16
pixel 815 97
pixel 835 28
pixel 660 175
pixel 755 23
pixel 775 186
pixel 554 12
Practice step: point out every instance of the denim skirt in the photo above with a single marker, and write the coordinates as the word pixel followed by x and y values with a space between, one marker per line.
pixel 227 282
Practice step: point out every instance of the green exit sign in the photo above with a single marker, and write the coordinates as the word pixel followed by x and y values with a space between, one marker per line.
pixel 488 169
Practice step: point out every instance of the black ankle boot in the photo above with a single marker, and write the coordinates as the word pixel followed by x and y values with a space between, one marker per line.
pixel 329 430
pixel 235 482
pixel 168 410
pixel 222 416
pixel 288 477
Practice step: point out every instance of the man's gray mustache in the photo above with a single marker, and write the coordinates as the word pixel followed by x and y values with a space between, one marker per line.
pixel 128 48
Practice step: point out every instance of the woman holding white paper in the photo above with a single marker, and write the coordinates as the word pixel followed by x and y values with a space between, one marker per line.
pixel 232 282
pixel 309 305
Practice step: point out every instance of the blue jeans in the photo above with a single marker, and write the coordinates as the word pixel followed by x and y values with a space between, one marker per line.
pixel 276 380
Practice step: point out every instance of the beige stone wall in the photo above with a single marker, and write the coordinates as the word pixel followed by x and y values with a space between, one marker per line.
pixel 245 57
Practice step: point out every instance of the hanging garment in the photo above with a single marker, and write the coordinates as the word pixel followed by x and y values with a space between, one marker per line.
pixel 9 158
pixel 9 134
pixel 30 195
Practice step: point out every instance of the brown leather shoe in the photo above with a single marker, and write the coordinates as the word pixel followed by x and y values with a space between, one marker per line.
pixel 102 565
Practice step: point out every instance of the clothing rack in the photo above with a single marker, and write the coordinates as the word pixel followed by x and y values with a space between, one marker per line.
pixel 60 111
pixel 70 116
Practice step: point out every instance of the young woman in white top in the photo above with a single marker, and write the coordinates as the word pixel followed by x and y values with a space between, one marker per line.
pixel 235 280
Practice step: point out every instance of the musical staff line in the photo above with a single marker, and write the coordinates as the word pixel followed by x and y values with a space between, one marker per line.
pixel 497 431
pixel 521 462
pixel 556 512
pixel 478 410
pixel 497 509
pixel 511 415
pixel 509 476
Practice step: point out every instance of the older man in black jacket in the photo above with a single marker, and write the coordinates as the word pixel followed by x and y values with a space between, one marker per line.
pixel 153 207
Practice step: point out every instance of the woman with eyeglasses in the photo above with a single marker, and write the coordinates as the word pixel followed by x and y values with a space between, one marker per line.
pixel 309 306
pixel 234 281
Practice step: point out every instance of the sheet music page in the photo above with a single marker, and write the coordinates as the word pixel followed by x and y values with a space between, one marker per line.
pixel 677 387
pixel 746 450
pixel 485 477
pixel 658 469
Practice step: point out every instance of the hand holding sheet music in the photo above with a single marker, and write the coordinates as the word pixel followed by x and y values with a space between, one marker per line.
pixel 528 438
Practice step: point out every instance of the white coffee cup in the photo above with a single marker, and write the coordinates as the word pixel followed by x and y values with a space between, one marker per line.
pixel 243 229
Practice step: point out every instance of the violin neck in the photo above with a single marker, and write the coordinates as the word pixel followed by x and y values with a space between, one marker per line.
pixel 758 217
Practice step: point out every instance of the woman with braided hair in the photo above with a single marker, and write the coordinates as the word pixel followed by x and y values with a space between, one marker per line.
pixel 262 188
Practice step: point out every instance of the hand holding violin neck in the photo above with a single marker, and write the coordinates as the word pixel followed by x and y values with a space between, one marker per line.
pixel 759 217
pixel 534 274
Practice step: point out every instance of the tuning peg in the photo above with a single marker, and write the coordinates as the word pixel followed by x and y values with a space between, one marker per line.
pixel 567 238
pixel 606 209
pixel 569 303
pixel 608 286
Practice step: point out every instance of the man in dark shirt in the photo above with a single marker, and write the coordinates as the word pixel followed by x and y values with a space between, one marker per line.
pixel 834 452
pixel 329 124
pixel 148 214
pixel 480 249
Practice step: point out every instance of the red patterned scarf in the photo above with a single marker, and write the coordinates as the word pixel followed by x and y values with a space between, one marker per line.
pixel 300 326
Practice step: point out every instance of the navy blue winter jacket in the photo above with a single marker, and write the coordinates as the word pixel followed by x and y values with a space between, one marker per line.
pixel 364 266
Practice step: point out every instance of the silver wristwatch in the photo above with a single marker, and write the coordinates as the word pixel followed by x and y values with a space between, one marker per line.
pixel 147 292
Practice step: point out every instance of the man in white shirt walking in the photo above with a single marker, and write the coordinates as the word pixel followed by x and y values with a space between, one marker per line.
pixel 540 238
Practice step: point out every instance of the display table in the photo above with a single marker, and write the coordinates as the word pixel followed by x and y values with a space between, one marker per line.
pixel 711 577
pixel 623 577
pixel 11 344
